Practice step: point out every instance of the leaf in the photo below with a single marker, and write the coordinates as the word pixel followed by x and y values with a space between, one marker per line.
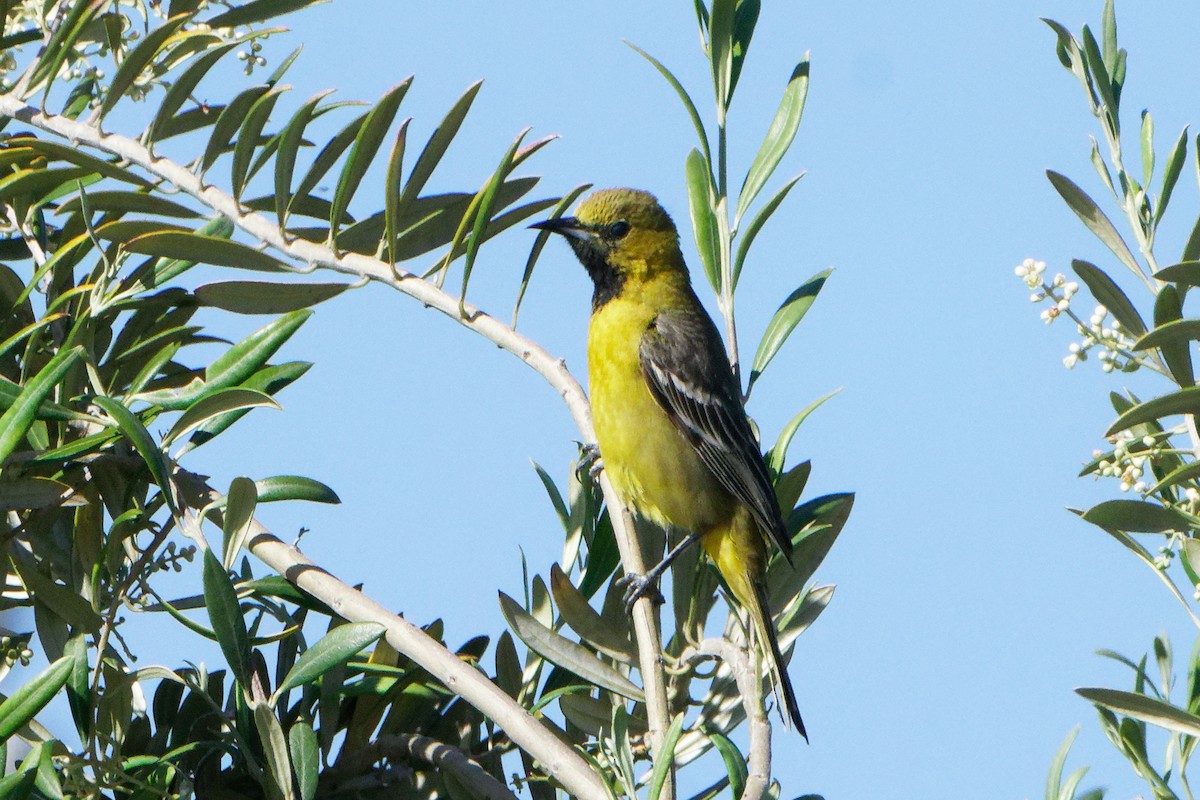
pixel 735 762
pixel 435 148
pixel 720 51
pixel 584 620
pixel 785 320
pixel 1144 708
pixel 664 759
pixel 1136 516
pixel 227 124
pixel 745 18
pixel 1186 273
pixel 332 649
pixel 285 159
pixel 220 402
pixel 306 758
pixel 182 88
pixel 366 144
pixel 269 380
pixel 1175 162
pixel 1184 401
pixel 328 156
pixel 138 59
pixel 684 97
pixel 129 202
pixel 756 224
pixel 294 487
pixel 225 616
pixel 1109 295
pixel 777 456
pixel 704 221
pixel 563 652
pixel 26 702
pixel 260 297
pixel 133 430
pixel 248 137
pixel 258 11
pixel 392 181
pixel 778 140
pixel 1176 351
pixel 270 734
pixel 28 493
pixel 240 503
pixel 16 421
pixel 1091 215
pixel 191 246
pixel 540 242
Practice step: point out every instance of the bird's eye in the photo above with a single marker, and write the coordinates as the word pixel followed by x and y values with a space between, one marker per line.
pixel 618 229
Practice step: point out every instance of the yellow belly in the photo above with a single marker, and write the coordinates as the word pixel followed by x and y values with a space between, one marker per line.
pixel 650 463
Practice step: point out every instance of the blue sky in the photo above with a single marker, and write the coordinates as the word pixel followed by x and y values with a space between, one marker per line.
pixel 969 601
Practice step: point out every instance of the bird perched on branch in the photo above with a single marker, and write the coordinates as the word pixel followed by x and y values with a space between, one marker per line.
pixel 668 412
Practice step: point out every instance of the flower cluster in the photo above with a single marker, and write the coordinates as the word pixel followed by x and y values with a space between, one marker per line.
pixel 1099 332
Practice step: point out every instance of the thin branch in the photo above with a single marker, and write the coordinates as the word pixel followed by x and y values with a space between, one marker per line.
pixel 413 746
pixel 552 369
pixel 741 666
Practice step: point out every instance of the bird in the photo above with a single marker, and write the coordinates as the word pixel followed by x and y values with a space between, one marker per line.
pixel 667 408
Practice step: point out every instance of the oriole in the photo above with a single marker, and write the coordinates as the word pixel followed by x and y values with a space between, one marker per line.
pixel 667 408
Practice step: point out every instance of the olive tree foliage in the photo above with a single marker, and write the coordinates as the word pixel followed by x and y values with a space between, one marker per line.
pixel 108 382
pixel 1138 330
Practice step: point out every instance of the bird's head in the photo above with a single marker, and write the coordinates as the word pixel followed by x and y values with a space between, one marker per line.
pixel 620 236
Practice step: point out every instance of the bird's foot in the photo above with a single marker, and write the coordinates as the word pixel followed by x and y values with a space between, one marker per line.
pixel 639 586
pixel 590 462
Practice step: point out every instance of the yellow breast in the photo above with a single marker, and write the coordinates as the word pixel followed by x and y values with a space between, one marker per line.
pixel 648 460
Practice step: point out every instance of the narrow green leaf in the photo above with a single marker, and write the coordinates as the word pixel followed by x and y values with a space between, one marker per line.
pixel 328 156
pixel 584 620
pixel 306 758
pixel 128 202
pixel 1175 162
pixel 295 487
pixel 1086 209
pixel 1185 273
pixel 785 320
pixel 1187 472
pixel 777 456
pixel 73 155
pixel 270 734
pixel 225 616
pixel 362 152
pixel 25 703
pixel 133 430
pixel 483 215
pixel 778 140
pixel 15 422
pixel 240 503
pixel 285 158
pixel 539 243
pixel 735 762
pixel 189 246
pixel 249 135
pixel 258 297
pixel 62 42
pixel 1136 516
pixel 391 190
pixel 332 649
pixel 704 221
pixel 720 50
pixel 1144 708
pixel 1184 401
pixel 227 124
pixel 219 402
pixel 258 11
pixel 563 652
pixel 1172 336
pixel 1108 294
pixel 182 88
pixel 1147 147
pixel 756 224
pixel 745 18
pixel 664 758
pixel 138 59
pixel 684 97
pixel 436 147
pixel 31 493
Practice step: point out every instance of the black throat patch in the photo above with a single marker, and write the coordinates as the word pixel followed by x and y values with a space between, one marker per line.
pixel 606 280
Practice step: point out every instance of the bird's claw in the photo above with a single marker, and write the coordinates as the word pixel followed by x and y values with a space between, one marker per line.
pixel 637 587
pixel 590 462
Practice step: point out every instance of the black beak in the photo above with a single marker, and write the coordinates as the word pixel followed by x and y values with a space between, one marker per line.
pixel 569 227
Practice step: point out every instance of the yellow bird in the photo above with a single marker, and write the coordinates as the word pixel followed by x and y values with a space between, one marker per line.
pixel 668 412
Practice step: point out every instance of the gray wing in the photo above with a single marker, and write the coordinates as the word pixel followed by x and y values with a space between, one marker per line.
pixel 683 361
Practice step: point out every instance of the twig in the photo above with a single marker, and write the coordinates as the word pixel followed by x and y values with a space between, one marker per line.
pixel 552 369
pixel 741 667
pixel 412 746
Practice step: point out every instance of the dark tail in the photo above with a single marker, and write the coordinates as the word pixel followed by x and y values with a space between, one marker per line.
pixel 780 681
